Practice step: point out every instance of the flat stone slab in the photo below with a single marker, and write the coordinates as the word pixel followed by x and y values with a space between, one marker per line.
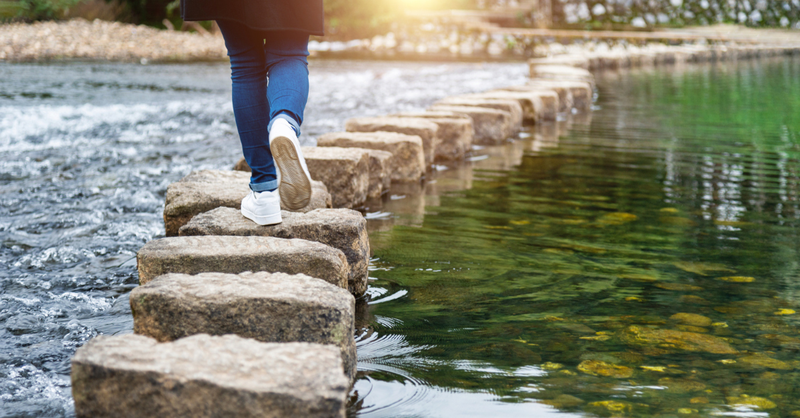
pixel 564 93
pixel 268 307
pixel 580 91
pixel 343 229
pixel 344 171
pixel 511 106
pixel 491 126
pixel 566 59
pixel 426 130
pixel 455 133
pixel 133 376
pixel 201 191
pixel 380 177
pixel 537 105
pixel 408 158
pixel 562 72
pixel 229 254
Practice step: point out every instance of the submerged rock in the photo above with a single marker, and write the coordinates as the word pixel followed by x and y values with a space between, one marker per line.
pixel 691 319
pixel 700 268
pixel 601 368
pixel 760 360
pixel 750 401
pixel 564 401
pixel 681 385
pixel 682 340
pixel 680 287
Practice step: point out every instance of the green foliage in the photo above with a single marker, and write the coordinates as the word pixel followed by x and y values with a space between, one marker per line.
pixel 29 10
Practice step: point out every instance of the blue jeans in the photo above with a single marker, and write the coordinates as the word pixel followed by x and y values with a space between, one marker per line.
pixel 259 58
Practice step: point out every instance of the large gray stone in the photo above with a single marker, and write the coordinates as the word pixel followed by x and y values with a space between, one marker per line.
pixel 563 72
pixel 268 307
pixel 204 190
pixel 133 376
pixel 425 129
pixel 344 171
pixel 511 106
pixel 380 175
pixel 580 91
pixel 343 229
pixel 379 179
pixel 579 61
pixel 229 254
pixel 455 133
pixel 565 100
pixel 537 105
pixel 408 157
pixel 491 126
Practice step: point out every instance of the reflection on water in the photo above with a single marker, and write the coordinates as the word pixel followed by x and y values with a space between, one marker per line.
pixel 645 263
pixel 86 153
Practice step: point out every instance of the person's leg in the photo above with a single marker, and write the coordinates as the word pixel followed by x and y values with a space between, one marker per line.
pixel 250 105
pixel 287 66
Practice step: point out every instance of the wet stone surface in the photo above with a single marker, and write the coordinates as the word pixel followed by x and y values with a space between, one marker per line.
pixel 268 307
pixel 237 254
pixel 207 376
pixel 343 229
pixel 204 190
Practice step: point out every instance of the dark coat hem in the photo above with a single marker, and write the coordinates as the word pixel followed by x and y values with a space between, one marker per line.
pixel 196 19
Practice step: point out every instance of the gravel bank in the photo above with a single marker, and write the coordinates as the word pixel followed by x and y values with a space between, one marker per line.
pixel 102 40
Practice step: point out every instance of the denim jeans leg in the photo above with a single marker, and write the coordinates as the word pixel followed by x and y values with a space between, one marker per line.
pixel 250 105
pixel 287 65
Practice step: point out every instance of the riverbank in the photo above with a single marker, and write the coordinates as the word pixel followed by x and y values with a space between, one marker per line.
pixel 106 41
pixel 79 39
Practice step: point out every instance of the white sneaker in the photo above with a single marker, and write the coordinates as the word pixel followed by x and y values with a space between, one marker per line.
pixel 263 208
pixel 295 182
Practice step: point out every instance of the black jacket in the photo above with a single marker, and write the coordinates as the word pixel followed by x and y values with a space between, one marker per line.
pixel 293 15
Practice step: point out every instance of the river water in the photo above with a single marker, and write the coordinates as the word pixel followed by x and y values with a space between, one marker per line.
pixel 541 278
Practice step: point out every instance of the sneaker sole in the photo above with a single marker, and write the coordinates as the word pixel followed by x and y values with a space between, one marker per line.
pixel 262 220
pixel 295 187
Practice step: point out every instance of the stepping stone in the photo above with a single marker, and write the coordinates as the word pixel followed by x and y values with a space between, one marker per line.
pixel 426 130
pixel 491 126
pixel 345 172
pixel 343 229
pixel 580 91
pixel 203 377
pixel 537 105
pixel 268 307
pixel 565 100
pixel 408 158
pixel 511 106
pixel 570 60
pixel 204 190
pixel 566 72
pixel 227 254
pixel 379 175
pixel 455 133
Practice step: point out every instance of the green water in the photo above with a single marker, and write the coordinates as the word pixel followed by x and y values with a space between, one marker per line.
pixel 547 277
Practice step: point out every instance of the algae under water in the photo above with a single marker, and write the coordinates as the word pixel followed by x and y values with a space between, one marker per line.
pixel 644 263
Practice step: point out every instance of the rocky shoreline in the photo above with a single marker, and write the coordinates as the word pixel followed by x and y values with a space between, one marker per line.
pixel 102 40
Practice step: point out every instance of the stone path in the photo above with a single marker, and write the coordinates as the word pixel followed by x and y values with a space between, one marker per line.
pixel 287 292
